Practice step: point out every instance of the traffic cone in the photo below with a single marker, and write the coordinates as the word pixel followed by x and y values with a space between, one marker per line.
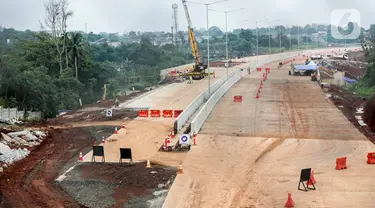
pixel 123 126
pixel 258 90
pixel 180 170
pixel 80 156
pixel 148 164
pixel 172 135
pixel 312 179
pixel 195 139
pixel 116 132
pixel 166 141
pixel 103 140
pixel 289 202
pixel 257 96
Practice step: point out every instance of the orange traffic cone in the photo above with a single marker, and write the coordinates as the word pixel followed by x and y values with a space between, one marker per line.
pixel 116 132
pixel 123 126
pixel 148 164
pixel 172 135
pixel 289 202
pixel 194 139
pixel 80 156
pixel 257 96
pixel 312 179
pixel 180 170
pixel 103 140
pixel 258 90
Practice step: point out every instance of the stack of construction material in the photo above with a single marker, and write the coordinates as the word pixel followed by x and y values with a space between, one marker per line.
pixel 13 146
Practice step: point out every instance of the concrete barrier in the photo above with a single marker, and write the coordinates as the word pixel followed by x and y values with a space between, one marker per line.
pixel 194 106
pixel 205 111
pixel 9 113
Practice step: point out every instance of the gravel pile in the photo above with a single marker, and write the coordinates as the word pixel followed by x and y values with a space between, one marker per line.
pixel 13 146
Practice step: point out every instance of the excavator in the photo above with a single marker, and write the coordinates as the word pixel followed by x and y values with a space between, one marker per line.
pixel 198 71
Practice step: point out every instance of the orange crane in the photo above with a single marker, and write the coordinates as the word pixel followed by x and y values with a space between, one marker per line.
pixel 198 71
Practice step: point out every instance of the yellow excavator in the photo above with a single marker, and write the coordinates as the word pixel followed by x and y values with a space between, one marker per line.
pixel 198 71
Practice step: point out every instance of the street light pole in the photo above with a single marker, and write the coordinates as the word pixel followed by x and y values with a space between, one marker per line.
pixel 208 42
pixel 208 54
pixel 269 37
pixel 226 42
pixel 256 28
pixel 226 35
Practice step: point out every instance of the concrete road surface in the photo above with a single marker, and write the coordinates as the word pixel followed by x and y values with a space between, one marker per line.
pixel 250 154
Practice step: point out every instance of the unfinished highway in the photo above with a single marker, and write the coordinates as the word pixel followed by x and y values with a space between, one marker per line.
pixel 250 154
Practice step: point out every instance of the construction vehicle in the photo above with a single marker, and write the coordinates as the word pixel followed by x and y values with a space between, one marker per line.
pixel 316 57
pixel 341 57
pixel 199 68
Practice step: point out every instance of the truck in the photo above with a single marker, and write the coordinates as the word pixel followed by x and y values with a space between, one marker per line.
pixel 316 57
pixel 341 57
pixel 303 70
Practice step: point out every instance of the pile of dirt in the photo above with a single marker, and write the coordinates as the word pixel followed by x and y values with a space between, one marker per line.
pixel 348 103
pixel 111 102
pixel 87 116
pixel 357 56
pixel 115 185
pixel 29 182
pixel 369 113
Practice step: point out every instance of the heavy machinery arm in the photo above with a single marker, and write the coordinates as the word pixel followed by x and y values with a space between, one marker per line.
pixel 193 42
pixel 198 71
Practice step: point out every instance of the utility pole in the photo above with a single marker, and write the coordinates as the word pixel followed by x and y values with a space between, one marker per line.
pixel 226 34
pixel 269 37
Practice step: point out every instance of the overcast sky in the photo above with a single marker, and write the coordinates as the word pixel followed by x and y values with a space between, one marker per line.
pixel 156 15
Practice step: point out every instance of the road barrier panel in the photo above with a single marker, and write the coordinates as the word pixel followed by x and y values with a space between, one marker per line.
pixel 155 113
pixel 237 98
pixel 143 113
pixel 341 163
pixel 371 158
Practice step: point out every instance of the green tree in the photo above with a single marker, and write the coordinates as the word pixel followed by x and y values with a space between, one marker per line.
pixel 76 49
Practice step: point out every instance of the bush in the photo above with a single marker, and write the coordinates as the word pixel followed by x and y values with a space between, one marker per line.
pixel 362 89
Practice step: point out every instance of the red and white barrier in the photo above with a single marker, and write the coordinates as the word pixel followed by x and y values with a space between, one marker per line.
pixel 159 113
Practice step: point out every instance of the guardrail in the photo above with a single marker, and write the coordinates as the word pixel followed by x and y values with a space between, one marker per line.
pixel 189 111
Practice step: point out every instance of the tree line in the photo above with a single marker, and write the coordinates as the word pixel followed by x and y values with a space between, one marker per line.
pixel 55 69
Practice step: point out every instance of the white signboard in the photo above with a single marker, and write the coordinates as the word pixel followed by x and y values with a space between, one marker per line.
pixel 109 113
pixel 185 139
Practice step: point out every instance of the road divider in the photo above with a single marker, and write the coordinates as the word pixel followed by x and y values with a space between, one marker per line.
pixel 202 115
pixel 189 111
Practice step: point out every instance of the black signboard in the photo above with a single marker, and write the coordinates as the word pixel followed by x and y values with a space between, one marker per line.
pixel 125 153
pixel 97 151
pixel 305 177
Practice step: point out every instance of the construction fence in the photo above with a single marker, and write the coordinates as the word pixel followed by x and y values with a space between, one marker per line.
pixel 9 113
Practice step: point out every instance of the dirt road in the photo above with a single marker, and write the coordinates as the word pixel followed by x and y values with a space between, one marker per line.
pixel 250 154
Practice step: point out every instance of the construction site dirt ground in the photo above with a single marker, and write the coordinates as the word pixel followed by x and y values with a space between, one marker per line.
pixel 31 182
pixel 146 135
pixel 250 154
